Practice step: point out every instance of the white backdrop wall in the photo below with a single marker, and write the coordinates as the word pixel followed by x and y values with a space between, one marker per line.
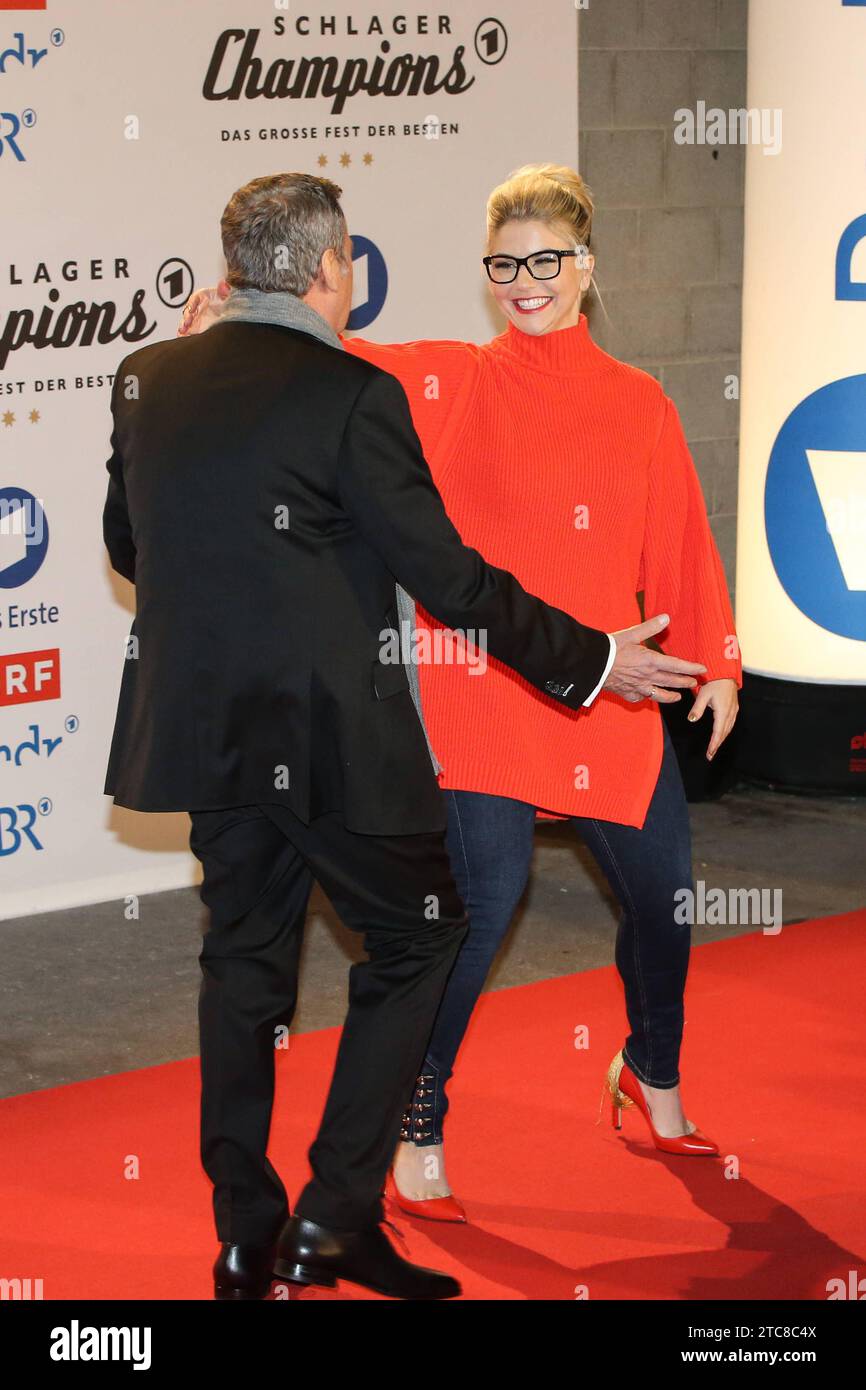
pixel 124 128
pixel 801 545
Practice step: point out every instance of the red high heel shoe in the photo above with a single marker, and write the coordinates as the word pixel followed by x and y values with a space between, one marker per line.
pixel 418 1125
pixel 625 1091
pixel 429 1208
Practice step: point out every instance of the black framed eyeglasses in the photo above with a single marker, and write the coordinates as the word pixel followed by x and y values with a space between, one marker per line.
pixel 542 265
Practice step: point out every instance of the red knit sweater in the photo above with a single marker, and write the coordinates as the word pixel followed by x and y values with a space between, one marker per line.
pixel 571 470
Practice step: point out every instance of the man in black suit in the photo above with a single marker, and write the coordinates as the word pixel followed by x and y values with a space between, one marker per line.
pixel 266 491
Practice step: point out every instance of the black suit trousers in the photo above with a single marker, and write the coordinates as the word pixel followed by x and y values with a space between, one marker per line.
pixel 259 863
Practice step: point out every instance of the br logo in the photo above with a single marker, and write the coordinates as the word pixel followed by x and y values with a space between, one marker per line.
pixel 23 536
pixel 11 126
pixel 815 507
pixel 371 282
pixel 16 828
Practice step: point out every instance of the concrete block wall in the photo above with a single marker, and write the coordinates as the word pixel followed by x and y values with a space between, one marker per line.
pixel 668 232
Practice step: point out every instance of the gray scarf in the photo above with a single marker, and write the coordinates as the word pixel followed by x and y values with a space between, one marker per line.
pixel 259 306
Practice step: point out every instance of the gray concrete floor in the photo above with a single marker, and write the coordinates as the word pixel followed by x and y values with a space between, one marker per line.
pixel 86 993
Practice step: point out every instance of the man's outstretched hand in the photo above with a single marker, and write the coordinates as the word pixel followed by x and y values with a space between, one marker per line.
pixel 639 673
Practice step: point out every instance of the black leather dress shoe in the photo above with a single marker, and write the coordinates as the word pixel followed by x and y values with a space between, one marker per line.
pixel 243 1271
pixel 312 1254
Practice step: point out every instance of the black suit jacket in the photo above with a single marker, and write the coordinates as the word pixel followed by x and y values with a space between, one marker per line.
pixel 266 490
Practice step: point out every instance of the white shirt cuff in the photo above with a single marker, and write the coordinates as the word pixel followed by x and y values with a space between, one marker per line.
pixel 604 675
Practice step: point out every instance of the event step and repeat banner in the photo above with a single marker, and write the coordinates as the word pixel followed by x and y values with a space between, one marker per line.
pixel 125 125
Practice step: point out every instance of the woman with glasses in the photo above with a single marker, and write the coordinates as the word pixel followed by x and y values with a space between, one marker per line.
pixel 570 469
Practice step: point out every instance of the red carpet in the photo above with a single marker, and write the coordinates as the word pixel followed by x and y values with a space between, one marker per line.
pixel 773 1070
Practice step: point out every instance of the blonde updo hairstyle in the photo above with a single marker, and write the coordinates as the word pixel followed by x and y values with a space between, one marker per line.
pixel 550 193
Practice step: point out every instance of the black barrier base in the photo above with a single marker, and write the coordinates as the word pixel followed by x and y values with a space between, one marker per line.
pixel 802 736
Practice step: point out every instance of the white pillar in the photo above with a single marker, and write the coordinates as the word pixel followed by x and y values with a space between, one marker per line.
pixel 801 544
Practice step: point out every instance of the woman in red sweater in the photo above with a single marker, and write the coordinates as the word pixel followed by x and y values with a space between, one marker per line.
pixel 570 469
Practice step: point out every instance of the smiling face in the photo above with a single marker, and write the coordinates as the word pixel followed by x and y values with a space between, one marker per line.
pixel 540 306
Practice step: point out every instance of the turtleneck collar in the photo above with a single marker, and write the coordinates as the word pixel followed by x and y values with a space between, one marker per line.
pixel 563 351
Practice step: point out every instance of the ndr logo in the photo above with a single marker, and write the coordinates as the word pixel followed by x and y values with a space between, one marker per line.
pixel 23 536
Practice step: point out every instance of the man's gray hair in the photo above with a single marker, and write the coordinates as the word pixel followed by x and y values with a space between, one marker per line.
pixel 276 229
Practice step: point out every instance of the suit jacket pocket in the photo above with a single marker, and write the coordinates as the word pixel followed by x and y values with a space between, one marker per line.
pixel 388 678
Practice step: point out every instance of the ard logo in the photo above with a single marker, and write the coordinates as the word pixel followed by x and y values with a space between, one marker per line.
pixel 371 282
pixel 815 506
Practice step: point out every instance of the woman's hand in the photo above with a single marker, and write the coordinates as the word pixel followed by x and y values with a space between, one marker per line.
pixel 203 308
pixel 721 696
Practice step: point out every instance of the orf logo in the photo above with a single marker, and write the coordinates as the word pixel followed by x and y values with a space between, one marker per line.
pixel 23 536
pixel 23 4
pixel 26 677
pixel 371 282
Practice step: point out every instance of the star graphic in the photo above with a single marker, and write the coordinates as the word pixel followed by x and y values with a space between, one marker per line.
pixel 323 159
pixel 368 159
pixel 35 417
pixel 8 419
pixel 345 160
